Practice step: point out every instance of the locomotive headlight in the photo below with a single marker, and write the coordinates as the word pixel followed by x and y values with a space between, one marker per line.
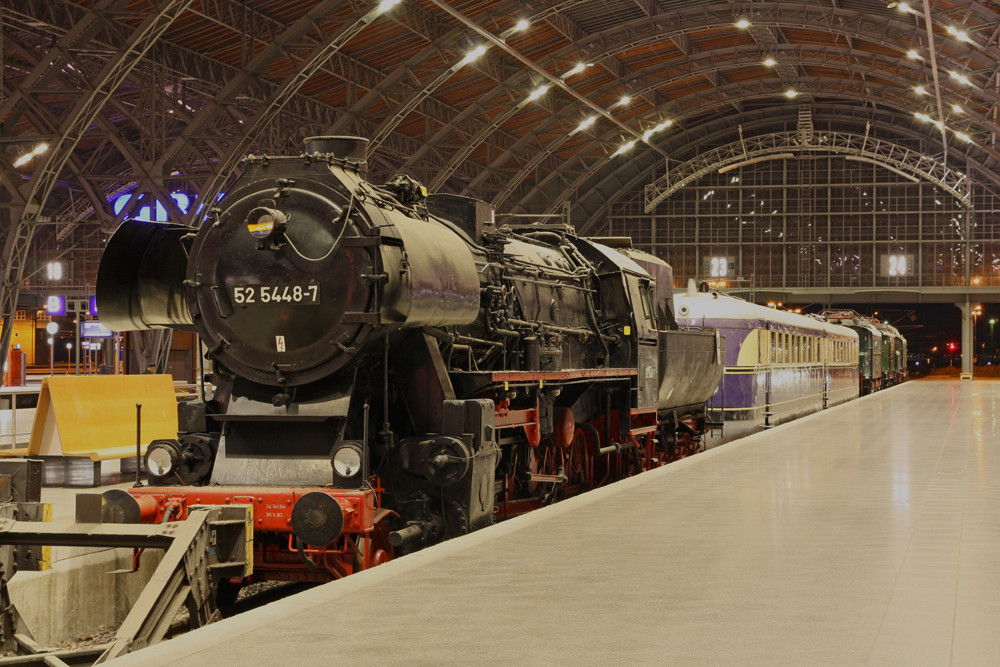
pixel 348 460
pixel 162 458
pixel 265 223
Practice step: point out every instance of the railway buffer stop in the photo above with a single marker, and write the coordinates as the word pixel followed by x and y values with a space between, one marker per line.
pixel 214 543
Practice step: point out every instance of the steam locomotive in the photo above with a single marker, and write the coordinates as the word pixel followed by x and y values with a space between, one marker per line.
pixel 393 368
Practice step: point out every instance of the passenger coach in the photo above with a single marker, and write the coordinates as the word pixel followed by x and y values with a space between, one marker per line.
pixel 779 365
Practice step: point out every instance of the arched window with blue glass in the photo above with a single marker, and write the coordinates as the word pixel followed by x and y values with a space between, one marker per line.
pixel 145 213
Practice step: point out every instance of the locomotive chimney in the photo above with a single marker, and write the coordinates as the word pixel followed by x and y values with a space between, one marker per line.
pixel 353 149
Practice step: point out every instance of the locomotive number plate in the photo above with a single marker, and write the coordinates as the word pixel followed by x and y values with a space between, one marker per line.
pixel 304 295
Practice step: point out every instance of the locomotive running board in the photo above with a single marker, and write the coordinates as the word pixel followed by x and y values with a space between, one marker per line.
pixel 213 543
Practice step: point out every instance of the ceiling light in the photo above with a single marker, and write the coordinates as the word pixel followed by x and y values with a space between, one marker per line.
pixel 905 8
pixel 770 62
pixel 912 55
pixel 386 5
pixel 625 99
pixel 790 93
pixel 579 67
pixel 659 127
pixel 585 123
pixel 961 78
pixel 521 25
pixel 963 136
pixel 35 152
pixel 957 108
pixel 473 54
pixel 537 92
pixel 743 23
pixel 922 116
pixel 920 90
pixel 960 35
pixel 624 148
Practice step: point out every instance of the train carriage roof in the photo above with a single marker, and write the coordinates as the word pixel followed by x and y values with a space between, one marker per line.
pixel 703 309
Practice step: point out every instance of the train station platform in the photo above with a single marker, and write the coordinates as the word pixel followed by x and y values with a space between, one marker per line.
pixel 867 534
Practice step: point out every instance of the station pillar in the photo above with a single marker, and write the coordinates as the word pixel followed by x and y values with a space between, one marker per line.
pixel 968 351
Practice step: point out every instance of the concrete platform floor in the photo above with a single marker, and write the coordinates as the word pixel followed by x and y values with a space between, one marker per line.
pixel 867 534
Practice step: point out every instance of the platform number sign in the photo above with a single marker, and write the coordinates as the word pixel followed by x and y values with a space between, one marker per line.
pixel 719 267
pixel 896 266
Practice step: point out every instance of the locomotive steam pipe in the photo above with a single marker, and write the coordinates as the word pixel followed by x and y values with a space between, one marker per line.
pixel 558 329
pixel 399 537
pixel 613 448
pixel 416 531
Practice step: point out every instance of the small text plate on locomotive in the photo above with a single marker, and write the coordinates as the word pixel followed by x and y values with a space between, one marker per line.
pixel 278 294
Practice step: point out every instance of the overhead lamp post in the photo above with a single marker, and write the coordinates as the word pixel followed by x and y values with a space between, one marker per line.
pixel 52 328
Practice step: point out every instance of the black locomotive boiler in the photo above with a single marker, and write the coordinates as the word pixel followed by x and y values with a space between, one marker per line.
pixel 392 368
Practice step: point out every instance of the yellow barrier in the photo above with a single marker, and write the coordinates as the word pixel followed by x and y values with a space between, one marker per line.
pixel 93 416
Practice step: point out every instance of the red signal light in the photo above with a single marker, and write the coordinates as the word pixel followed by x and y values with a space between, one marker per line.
pixel 952 346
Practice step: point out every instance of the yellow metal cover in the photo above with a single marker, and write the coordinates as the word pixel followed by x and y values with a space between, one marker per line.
pixel 94 415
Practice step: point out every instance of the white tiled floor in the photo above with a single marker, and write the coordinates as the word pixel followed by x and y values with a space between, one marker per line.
pixel 868 534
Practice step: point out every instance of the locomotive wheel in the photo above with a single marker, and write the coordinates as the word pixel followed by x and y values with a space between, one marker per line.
pixel 581 468
pixel 378 541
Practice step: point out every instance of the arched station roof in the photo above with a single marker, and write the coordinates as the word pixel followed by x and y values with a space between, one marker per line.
pixel 523 103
